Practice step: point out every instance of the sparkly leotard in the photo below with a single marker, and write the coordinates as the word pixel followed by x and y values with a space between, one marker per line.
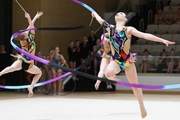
pixel 57 60
pixel 29 47
pixel 118 40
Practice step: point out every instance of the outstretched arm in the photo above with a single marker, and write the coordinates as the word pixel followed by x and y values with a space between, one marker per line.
pixel 97 17
pixel 148 36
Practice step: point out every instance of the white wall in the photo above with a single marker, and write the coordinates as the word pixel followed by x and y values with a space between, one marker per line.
pixel 153 80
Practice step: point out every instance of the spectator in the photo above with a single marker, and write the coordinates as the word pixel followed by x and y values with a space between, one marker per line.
pixel 57 58
pixel 178 68
pixel 171 62
pixel 177 17
pixel 91 41
pixel 72 55
pixel 41 66
pixel 162 62
pixel 97 58
pixel 169 18
pixel 159 18
pixel 49 71
pixel 84 52
pixel 3 63
pixel 146 61
pixel 78 54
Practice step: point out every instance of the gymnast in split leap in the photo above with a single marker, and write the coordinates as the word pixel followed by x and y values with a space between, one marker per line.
pixel 118 56
pixel 27 43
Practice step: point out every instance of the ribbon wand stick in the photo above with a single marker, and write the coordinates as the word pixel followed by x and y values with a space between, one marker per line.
pixel 20 6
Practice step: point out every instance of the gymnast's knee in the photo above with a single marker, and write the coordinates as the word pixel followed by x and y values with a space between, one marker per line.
pixel 109 74
pixel 39 73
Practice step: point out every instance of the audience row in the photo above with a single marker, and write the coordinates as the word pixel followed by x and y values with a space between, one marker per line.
pixel 168 18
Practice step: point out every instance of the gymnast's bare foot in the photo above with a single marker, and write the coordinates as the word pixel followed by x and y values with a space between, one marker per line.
pixel 143 112
pixel 97 85
pixel 30 92
pixel 0 74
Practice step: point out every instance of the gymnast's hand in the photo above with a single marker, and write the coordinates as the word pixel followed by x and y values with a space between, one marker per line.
pixel 39 14
pixel 93 14
pixel 27 15
pixel 166 42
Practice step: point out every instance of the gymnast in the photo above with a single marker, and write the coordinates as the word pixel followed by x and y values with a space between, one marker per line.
pixel 27 43
pixel 119 54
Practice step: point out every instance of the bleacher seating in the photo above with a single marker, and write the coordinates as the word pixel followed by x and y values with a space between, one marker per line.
pixel 176 38
pixel 135 48
pixel 152 28
pixel 154 48
pixel 177 48
pixel 174 2
pixel 167 36
pixel 174 8
pixel 168 32
pixel 163 29
pixel 148 47
pixel 174 29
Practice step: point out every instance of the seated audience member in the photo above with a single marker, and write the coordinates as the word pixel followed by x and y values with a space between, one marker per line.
pixel 171 62
pixel 84 50
pixel 159 18
pixel 162 62
pixel 146 61
pixel 169 17
pixel 178 68
pixel 177 17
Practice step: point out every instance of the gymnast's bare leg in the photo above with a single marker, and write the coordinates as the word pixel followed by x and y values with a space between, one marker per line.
pixel 37 74
pixel 14 67
pixel 104 63
pixel 131 75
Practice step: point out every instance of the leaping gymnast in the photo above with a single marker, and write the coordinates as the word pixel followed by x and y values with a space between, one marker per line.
pixel 118 55
pixel 27 43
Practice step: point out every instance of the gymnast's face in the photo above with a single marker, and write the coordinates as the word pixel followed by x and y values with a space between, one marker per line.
pixel 77 44
pixel 169 10
pixel 51 52
pixel 98 42
pixel 172 53
pixel 146 53
pixel 71 44
pixel 160 11
pixel 120 17
pixel 179 11
pixel 84 39
pixel 39 54
pixel 57 50
pixel 92 32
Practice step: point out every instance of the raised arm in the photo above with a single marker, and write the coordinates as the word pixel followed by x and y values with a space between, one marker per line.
pixel 31 25
pixel 148 36
pixel 37 16
pixel 97 17
pixel 31 22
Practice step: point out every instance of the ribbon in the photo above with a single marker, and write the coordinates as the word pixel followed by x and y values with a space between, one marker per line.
pixel 153 87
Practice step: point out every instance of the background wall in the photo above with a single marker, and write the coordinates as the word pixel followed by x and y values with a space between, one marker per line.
pixel 57 13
